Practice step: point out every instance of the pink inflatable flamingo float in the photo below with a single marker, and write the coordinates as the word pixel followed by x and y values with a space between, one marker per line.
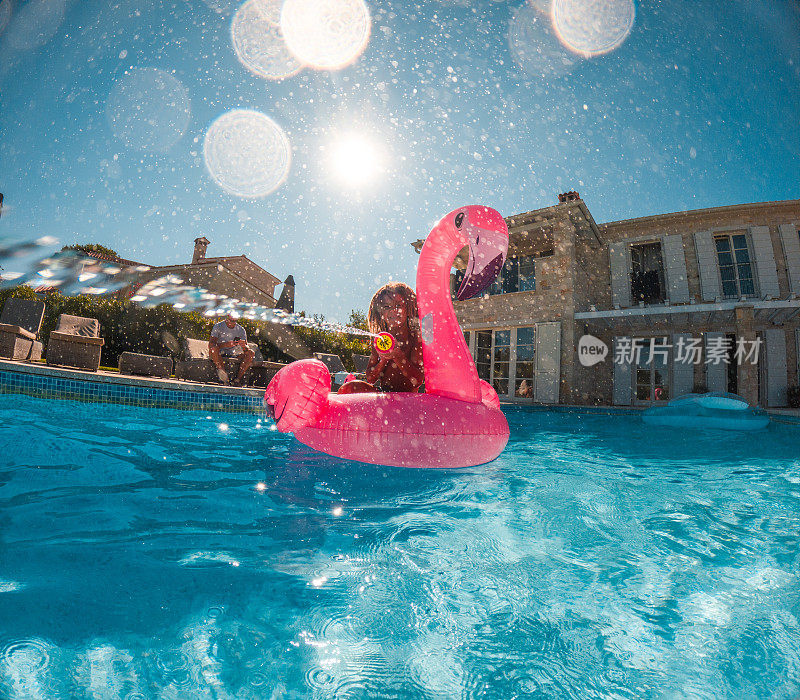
pixel 457 422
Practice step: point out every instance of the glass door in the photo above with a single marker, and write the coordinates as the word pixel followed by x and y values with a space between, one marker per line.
pixel 524 360
pixel 505 358
pixel 652 370
pixel 501 362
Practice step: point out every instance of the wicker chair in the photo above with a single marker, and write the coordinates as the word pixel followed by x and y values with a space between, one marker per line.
pixel 20 323
pixel 75 342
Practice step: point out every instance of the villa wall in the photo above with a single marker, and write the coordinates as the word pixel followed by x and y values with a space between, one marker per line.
pixel 578 278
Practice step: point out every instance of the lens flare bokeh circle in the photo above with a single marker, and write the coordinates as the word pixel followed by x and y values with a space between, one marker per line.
pixel 247 153
pixel 35 23
pixel 5 13
pixel 593 27
pixel 534 45
pixel 258 41
pixel 148 109
pixel 325 34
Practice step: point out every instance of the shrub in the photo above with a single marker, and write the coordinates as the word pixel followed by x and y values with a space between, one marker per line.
pixel 793 397
pixel 127 326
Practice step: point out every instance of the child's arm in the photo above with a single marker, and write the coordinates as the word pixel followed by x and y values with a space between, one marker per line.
pixel 411 367
pixel 375 367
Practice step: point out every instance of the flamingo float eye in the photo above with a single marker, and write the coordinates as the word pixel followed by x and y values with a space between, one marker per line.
pixel 459 219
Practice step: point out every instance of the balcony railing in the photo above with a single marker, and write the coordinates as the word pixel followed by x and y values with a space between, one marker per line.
pixel 648 287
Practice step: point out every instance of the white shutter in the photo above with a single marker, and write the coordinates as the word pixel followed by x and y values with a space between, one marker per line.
pixel 623 384
pixel 675 267
pixel 682 372
pixel 790 238
pixel 548 362
pixel 797 353
pixel 707 265
pixel 716 373
pixel 775 339
pixel 765 262
pixel 620 267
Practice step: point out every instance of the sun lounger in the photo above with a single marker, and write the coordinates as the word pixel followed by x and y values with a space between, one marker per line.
pixel 75 342
pixel 20 323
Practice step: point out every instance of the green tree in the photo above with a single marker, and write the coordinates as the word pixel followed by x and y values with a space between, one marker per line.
pixel 358 319
pixel 92 248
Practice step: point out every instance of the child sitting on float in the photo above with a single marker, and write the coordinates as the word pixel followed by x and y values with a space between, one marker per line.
pixel 393 309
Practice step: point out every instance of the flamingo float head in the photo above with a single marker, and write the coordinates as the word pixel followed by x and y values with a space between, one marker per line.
pixel 485 232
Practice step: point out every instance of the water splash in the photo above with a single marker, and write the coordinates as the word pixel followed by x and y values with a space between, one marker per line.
pixel 72 272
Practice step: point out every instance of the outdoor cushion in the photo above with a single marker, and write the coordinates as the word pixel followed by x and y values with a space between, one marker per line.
pixel 194 349
pixel 146 365
pixel 17 330
pixel 258 358
pixel 23 313
pixel 73 338
pixel 77 325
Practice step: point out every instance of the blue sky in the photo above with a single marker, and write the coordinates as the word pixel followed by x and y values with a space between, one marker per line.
pixel 464 102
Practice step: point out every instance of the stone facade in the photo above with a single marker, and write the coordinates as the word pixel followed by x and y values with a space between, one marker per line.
pixel 654 277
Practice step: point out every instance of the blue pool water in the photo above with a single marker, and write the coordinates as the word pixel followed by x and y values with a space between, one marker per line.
pixel 151 553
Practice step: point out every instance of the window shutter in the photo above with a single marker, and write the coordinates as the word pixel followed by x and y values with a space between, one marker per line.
pixel 675 264
pixel 682 372
pixel 707 265
pixel 623 388
pixel 620 267
pixel 777 380
pixel 765 261
pixel 790 238
pixel 716 374
pixel 548 362
pixel 797 352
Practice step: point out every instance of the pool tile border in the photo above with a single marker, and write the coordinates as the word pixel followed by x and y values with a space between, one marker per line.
pixel 72 385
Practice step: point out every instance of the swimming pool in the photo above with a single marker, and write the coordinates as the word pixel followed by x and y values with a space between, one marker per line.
pixel 159 553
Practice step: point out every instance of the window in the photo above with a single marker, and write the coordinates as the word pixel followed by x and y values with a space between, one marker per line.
pixel 518 275
pixel 647 274
pixel 735 269
pixel 483 354
pixel 523 376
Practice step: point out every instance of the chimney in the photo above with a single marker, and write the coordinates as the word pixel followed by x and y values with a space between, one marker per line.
pixel 569 197
pixel 286 301
pixel 200 245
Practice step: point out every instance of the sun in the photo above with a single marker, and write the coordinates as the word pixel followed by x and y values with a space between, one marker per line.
pixel 356 161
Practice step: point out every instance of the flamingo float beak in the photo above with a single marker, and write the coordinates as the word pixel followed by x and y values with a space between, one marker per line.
pixel 487 237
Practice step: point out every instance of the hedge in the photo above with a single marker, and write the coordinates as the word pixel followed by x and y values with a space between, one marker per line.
pixel 127 326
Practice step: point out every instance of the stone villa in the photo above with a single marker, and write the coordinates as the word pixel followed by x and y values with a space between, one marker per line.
pixel 233 275
pixel 704 300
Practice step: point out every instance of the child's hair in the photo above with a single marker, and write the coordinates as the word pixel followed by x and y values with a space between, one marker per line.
pixel 377 323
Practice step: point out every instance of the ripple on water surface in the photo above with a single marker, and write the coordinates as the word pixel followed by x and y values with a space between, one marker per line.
pixel 150 553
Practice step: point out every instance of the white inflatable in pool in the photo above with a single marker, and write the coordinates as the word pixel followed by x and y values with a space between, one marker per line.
pixel 713 410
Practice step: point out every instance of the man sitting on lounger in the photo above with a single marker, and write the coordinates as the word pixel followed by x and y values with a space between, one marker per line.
pixel 229 339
